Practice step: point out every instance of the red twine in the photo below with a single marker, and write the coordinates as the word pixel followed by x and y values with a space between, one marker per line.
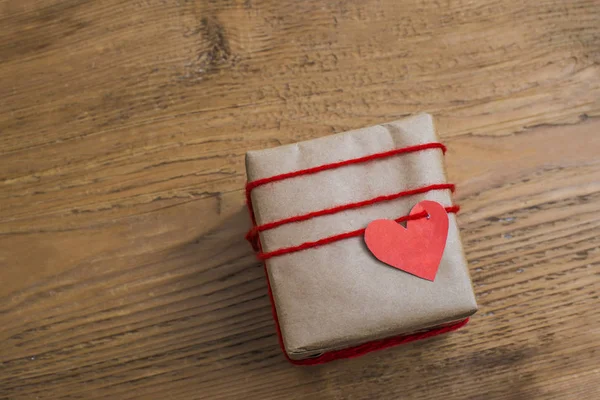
pixel 325 167
pixel 341 236
pixel 252 235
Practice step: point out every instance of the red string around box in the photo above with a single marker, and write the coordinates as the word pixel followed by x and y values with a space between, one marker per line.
pixel 341 236
pixel 309 171
pixel 252 235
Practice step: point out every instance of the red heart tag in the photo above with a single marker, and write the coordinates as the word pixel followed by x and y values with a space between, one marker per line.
pixel 416 249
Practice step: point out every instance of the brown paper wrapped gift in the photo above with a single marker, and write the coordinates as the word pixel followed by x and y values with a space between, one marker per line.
pixel 337 296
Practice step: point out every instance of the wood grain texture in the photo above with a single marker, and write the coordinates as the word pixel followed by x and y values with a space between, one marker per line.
pixel 123 269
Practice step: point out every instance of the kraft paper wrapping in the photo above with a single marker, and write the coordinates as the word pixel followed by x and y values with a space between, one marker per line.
pixel 339 295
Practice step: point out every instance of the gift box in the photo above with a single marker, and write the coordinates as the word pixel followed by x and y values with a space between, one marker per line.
pixel 311 204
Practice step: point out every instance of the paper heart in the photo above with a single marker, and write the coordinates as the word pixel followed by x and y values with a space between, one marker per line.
pixel 416 249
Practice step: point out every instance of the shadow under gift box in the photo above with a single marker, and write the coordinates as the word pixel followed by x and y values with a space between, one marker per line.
pixel 338 296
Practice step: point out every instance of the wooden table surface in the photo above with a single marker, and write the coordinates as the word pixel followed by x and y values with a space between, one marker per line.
pixel 124 273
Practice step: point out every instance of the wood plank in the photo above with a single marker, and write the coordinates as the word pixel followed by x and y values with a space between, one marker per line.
pixel 123 269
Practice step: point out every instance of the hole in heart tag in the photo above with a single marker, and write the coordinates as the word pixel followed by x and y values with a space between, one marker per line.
pixel 416 249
